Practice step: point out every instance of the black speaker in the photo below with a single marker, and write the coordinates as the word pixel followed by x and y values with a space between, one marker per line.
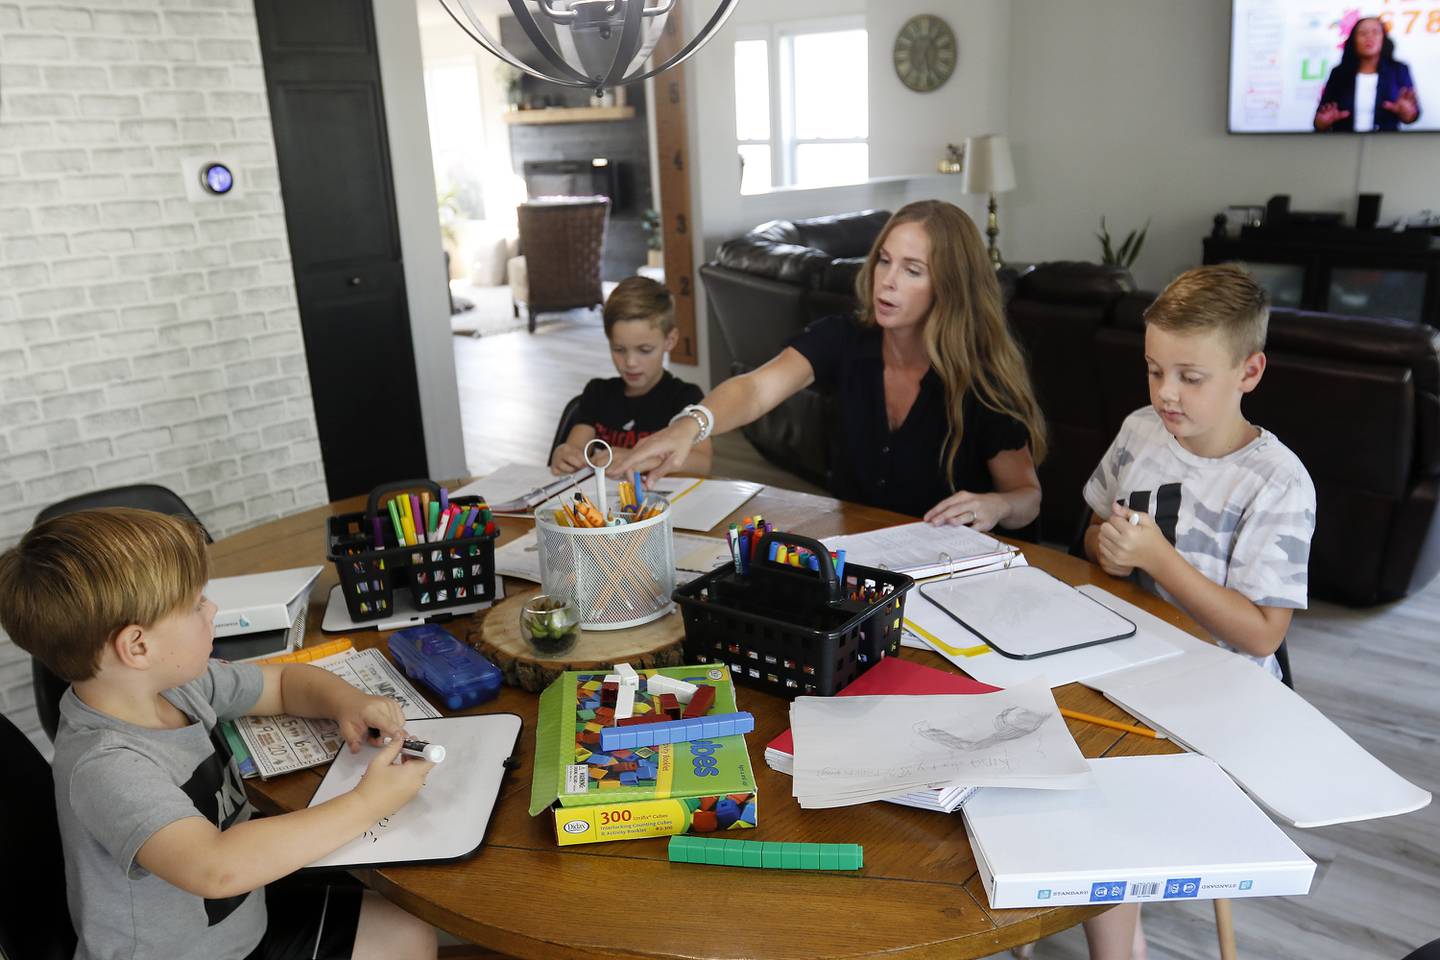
pixel 1367 212
pixel 1277 210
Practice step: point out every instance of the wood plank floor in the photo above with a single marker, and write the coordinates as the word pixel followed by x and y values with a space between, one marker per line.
pixel 1375 672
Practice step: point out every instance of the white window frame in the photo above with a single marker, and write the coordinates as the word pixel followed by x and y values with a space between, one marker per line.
pixel 780 51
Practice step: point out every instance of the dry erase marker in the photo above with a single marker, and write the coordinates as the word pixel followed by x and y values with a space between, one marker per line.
pixel 423 749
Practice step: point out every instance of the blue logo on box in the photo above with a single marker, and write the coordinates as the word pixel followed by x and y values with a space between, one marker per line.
pixel 1042 895
pixel 1112 891
pixel 1246 884
pixel 1182 888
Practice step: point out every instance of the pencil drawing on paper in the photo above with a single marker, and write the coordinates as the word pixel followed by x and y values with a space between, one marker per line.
pixel 1012 723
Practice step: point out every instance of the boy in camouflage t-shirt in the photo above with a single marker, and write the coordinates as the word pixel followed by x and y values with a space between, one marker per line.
pixel 1213 513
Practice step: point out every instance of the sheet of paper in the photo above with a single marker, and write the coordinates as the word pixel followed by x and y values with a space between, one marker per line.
pixel 696 555
pixel 928 627
pixel 920 549
pixel 518 487
pixel 284 743
pixel 856 749
pixel 701 504
pixel 1286 754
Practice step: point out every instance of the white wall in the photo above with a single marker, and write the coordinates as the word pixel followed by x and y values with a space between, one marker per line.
pixel 1118 108
pixel 143 337
pixel 908 130
pixel 403 79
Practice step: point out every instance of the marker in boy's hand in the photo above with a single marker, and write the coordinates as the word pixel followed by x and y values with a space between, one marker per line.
pixel 390 785
pixel 363 712
pixel 1128 540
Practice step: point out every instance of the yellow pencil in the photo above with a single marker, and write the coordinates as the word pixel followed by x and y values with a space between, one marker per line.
pixel 1113 724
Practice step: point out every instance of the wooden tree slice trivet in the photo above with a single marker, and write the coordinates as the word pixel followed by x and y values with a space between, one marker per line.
pixel 497 635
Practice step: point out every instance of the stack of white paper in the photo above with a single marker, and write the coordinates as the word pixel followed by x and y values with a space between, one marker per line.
pixel 701 504
pixel 857 749
pixel 922 550
pixel 946 799
pixel 1287 754
pixel 518 488
pixel 1150 828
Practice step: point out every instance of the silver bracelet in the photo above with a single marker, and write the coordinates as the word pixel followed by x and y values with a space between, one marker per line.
pixel 703 417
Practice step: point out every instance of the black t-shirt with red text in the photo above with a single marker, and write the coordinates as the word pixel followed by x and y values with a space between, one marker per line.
pixel 623 421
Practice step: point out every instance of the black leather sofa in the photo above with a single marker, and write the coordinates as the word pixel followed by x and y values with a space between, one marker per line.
pixel 1357 399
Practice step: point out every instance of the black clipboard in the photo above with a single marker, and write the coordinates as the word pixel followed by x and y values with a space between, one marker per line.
pixel 450 816
pixel 1024 613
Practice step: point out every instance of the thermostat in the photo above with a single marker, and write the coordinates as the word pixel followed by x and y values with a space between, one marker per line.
pixel 209 177
pixel 217 178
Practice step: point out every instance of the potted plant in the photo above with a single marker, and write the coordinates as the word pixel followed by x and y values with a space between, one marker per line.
pixel 1129 248
pixel 510 78
pixel 653 236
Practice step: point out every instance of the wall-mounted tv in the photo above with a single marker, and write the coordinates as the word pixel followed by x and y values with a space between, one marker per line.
pixel 1332 66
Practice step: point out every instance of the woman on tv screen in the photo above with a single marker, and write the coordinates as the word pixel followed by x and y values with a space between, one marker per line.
pixel 1370 89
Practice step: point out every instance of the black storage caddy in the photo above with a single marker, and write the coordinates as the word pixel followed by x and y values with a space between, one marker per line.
pixel 441 574
pixel 789 630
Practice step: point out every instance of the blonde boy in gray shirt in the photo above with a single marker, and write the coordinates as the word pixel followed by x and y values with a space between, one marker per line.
pixel 162 858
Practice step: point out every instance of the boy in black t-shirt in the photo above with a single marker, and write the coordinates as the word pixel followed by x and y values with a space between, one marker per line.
pixel 640 325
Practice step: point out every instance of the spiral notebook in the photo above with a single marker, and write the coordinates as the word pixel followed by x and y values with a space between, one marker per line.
pixel 448 817
pixel 922 550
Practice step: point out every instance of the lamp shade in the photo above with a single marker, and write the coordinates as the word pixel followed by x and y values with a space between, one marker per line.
pixel 593 43
pixel 987 165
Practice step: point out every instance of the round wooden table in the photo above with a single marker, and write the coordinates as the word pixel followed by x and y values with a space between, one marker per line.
pixel 919 894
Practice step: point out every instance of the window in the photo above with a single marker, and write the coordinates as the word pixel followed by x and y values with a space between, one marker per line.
pixel 802 105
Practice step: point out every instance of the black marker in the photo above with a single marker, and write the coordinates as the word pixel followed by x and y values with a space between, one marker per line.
pixel 423 749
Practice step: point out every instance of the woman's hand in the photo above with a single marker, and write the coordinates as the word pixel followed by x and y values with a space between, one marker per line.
pixel 1405 106
pixel 1328 115
pixel 1130 540
pixel 662 453
pixel 982 511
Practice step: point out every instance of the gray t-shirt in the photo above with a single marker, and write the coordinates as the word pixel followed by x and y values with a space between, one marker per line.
pixel 116 784
pixel 1243 520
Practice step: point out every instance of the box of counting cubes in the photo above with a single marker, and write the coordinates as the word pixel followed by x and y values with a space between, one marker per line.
pixel 703 786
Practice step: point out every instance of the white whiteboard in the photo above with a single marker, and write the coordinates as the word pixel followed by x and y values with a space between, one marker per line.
pixel 448 817
pixel 1023 612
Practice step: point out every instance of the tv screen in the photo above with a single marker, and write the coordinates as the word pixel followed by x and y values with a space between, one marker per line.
pixel 1329 66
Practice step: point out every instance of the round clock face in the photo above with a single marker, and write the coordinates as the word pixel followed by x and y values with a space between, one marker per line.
pixel 925 53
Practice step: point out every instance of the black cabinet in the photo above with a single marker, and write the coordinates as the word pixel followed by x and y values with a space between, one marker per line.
pixel 1368 273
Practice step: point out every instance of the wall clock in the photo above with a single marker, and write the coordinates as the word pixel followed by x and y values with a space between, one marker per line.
pixel 925 53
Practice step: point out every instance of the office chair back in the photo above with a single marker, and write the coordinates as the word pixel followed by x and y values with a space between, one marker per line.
pixel 567 422
pixel 142 496
pixel 34 916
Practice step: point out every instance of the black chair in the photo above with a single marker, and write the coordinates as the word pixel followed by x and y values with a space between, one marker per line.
pixel 567 422
pixel 34 918
pixel 1430 951
pixel 1077 549
pixel 144 496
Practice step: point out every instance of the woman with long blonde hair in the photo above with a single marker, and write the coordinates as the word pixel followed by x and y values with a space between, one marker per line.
pixel 936 414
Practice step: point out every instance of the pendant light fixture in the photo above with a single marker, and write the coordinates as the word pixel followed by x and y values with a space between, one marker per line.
pixel 592 43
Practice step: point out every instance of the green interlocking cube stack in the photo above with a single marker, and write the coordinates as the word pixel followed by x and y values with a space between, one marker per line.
pixel 767 854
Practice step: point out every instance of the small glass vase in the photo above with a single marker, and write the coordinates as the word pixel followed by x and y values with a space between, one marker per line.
pixel 550 625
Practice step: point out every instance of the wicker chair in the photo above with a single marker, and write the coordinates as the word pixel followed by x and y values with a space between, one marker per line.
pixel 563 243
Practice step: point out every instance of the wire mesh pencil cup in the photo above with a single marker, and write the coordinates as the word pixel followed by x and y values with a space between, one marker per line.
pixel 620 576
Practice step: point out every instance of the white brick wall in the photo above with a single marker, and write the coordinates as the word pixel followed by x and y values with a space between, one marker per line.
pixel 143 337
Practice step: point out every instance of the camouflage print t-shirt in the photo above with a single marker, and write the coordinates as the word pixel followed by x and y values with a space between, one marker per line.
pixel 1243 520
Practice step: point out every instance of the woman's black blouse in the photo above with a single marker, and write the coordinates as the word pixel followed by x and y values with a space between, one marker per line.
pixel 900 470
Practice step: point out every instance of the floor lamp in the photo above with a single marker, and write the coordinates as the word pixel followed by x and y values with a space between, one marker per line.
pixel 988 170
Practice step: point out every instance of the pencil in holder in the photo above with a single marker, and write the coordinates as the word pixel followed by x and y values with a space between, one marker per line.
pixel 793 631
pixel 374 554
pixel 618 576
